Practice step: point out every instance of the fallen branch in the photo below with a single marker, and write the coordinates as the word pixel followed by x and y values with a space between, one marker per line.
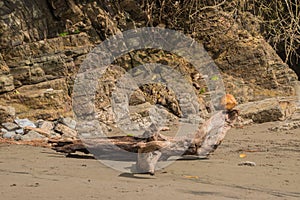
pixel 153 146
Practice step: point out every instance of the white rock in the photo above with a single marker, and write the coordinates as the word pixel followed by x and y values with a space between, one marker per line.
pixel 24 122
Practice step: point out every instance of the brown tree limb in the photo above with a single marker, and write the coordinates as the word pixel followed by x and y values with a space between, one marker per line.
pixel 153 146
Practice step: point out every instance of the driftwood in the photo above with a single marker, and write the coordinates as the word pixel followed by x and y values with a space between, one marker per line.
pixel 152 146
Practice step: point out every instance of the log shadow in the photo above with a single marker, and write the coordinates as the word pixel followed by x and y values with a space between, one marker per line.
pixel 191 157
pixel 134 175
pixel 78 156
pixel 211 194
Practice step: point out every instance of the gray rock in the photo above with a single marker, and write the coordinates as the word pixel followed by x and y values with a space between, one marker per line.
pixel 46 125
pixel 9 135
pixel 65 131
pixel 137 98
pixel 55 136
pixel 3 130
pixel 25 122
pixel 17 137
pixel 10 126
pixel 32 135
pixel 267 110
pixel 69 122
pixel 19 131
pixel 39 122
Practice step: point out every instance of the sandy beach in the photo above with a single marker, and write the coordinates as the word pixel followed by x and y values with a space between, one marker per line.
pixel 28 172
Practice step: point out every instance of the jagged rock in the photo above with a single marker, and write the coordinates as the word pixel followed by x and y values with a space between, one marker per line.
pixel 46 133
pixel 9 135
pixel 39 122
pixel 292 123
pixel 160 94
pixel 32 135
pixel 65 131
pixel 4 69
pixel 69 122
pixel 140 116
pixel 48 100
pixel 6 79
pixel 7 114
pixel 43 43
pixel 267 110
pixel 3 130
pixel 6 83
pixel 46 125
pixel 137 98
pixel 24 122
pixel 19 131
pixel 55 136
pixel 17 137
pixel 10 126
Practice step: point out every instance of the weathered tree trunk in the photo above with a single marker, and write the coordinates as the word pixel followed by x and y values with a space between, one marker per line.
pixel 153 146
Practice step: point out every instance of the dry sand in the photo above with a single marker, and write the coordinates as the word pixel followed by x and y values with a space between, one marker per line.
pixel 39 173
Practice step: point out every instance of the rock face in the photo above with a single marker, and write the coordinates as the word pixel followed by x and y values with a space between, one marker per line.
pixel 43 43
pixel 6 79
pixel 267 110
pixel 7 114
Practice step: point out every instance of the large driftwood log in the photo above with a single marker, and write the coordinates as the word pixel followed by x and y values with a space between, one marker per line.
pixel 153 146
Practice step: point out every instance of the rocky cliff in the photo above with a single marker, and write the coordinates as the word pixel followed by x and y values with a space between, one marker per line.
pixel 43 43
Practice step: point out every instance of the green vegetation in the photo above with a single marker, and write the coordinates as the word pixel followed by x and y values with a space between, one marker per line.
pixel 77 31
pixel 214 78
pixel 63 34
pixel 202 91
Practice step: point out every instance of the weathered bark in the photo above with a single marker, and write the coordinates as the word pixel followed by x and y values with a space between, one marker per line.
pixel 153 146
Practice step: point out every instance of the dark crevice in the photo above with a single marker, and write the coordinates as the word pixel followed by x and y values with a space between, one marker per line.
pixel 293 62
pixel 50 8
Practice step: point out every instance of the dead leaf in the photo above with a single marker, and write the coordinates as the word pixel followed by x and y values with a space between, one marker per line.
pixel 242 155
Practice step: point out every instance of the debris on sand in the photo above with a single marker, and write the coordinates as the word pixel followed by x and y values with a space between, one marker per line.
pixel 247 163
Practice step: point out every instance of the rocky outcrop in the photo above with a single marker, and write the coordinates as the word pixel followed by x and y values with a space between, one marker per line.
pixel 7 114
pixel 267 110
pixel 6 79
pixel 44 42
